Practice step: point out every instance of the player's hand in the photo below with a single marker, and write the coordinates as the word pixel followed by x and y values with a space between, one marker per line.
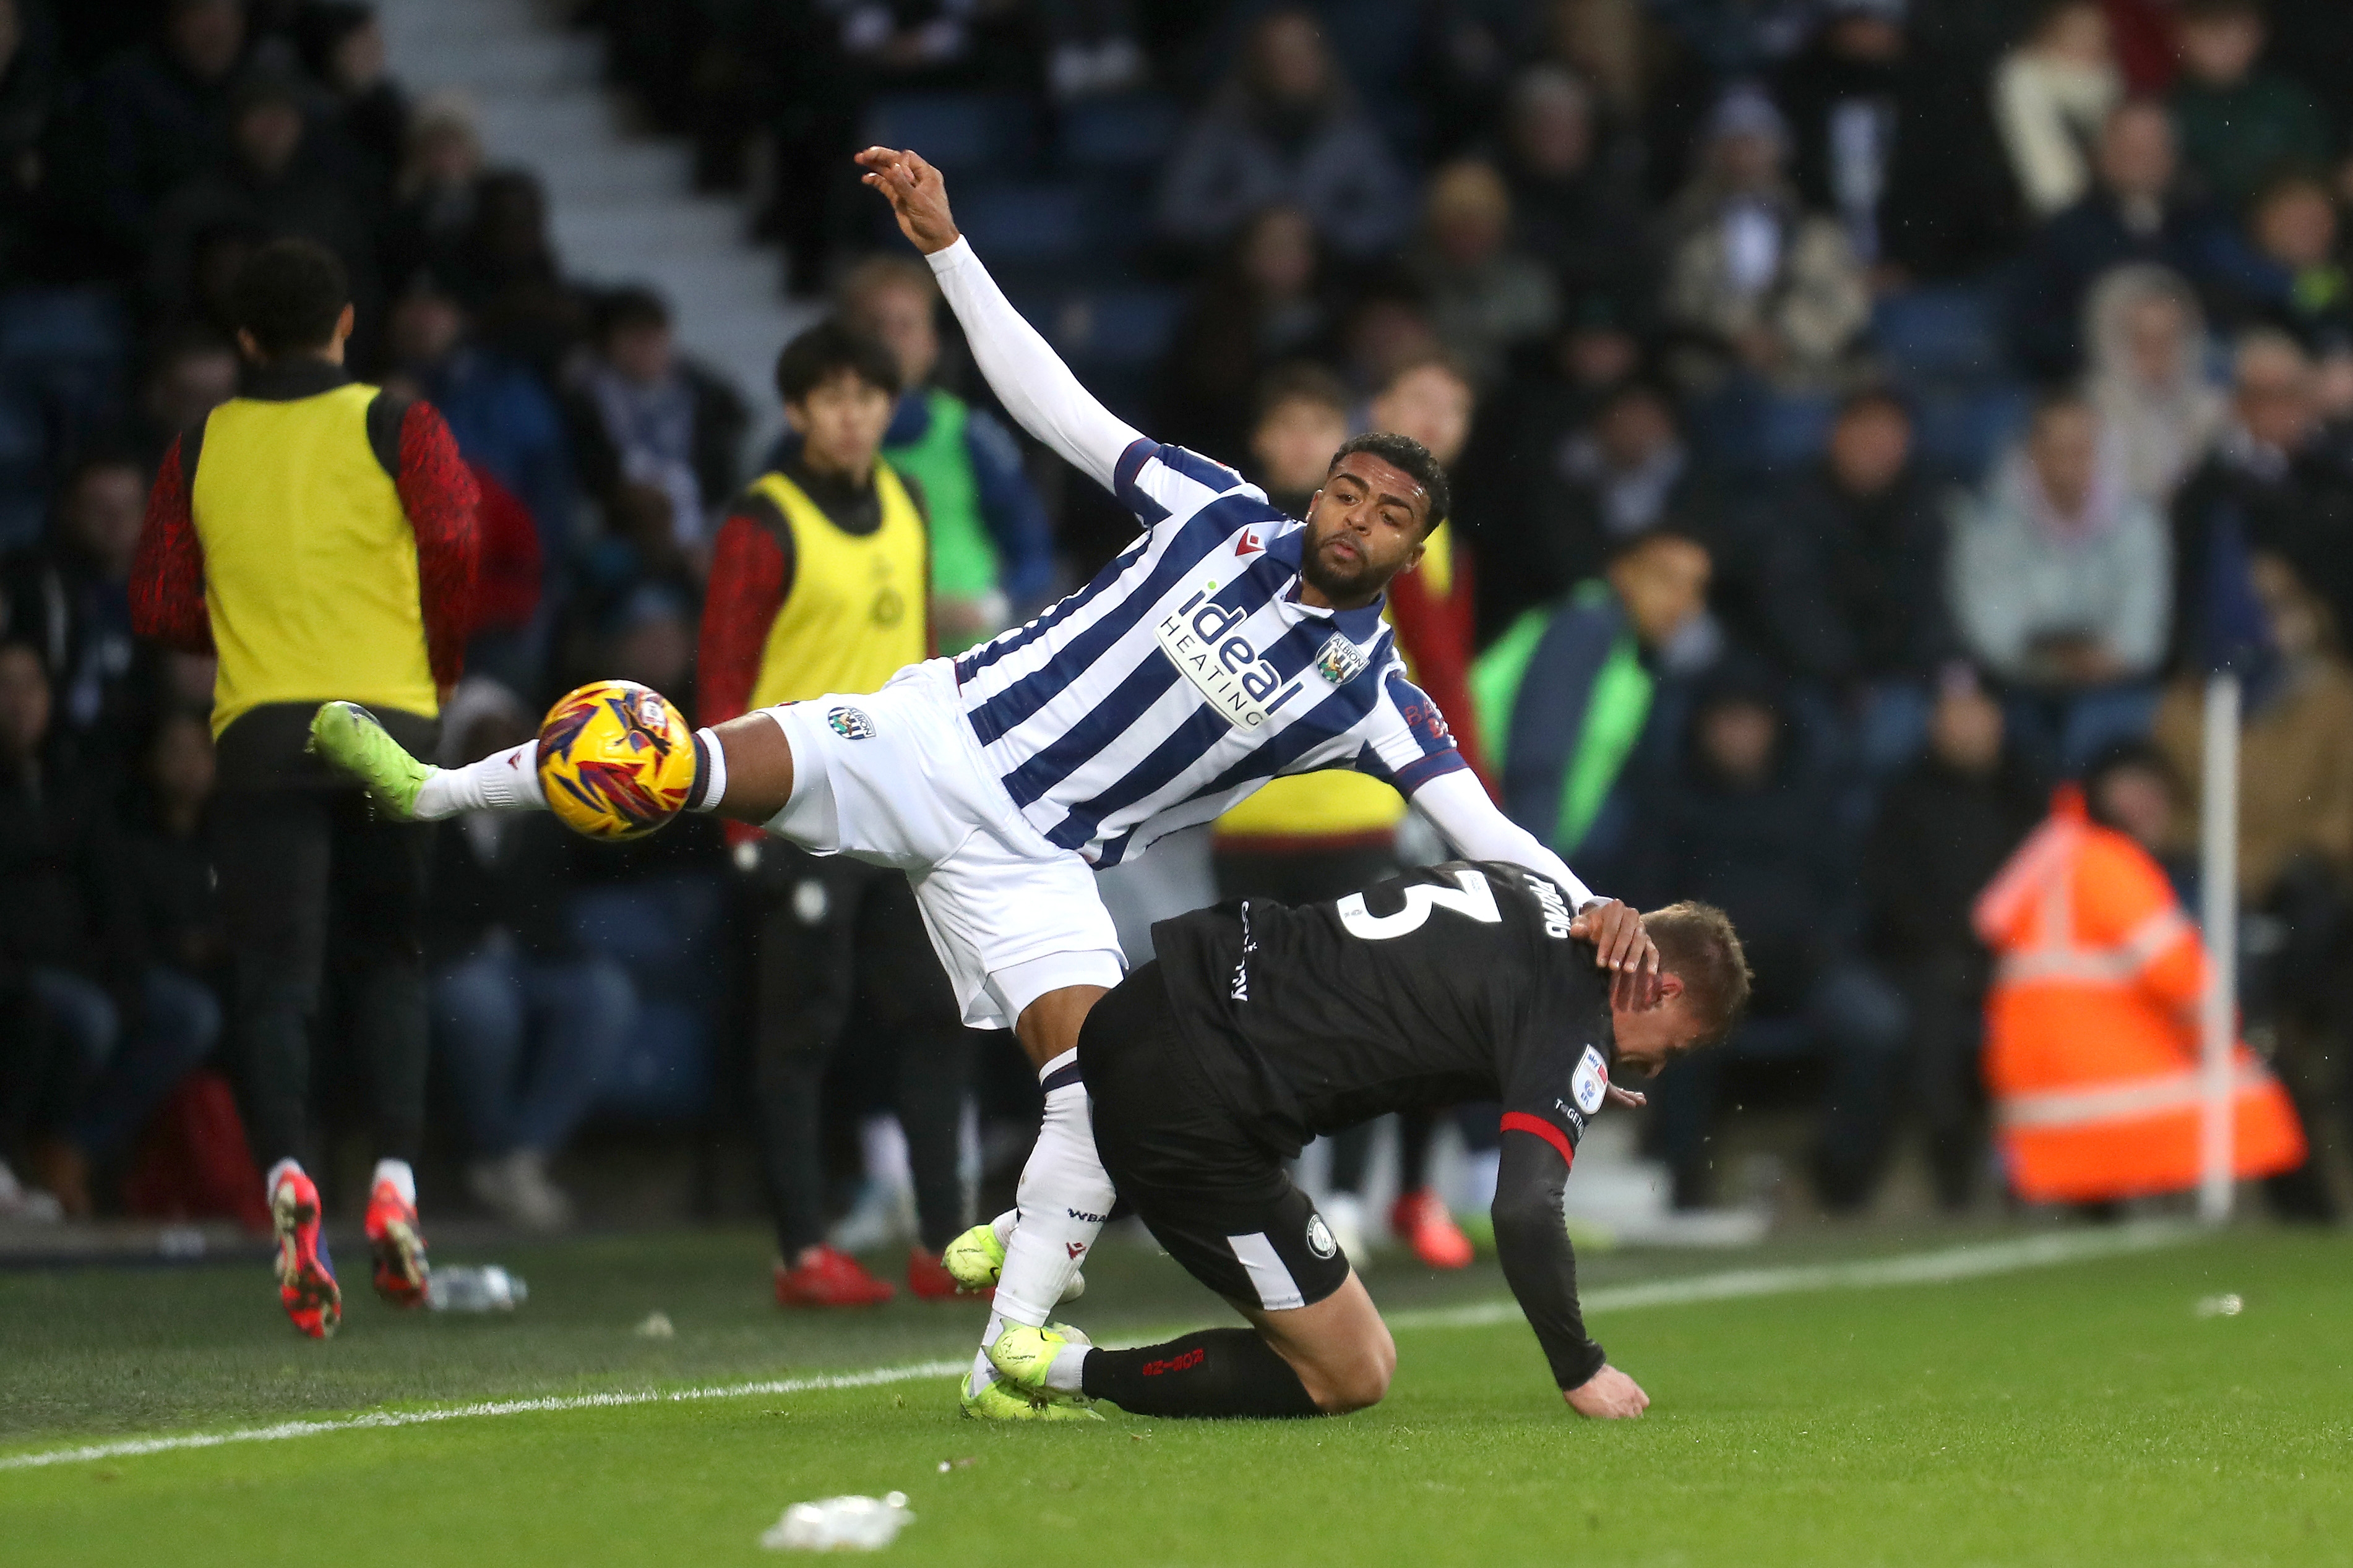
pixel 1620 945
pixel 917 194
pixel 1630 1098
pixel 1607 1395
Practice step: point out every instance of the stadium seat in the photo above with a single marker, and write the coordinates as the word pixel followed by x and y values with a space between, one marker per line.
pixel 1128 134
pixel 958 131
pixel 666 930
pixel 1960 429
pixel 1118 326
pixel 1942 332
pixel 62 356
pixel 1024 225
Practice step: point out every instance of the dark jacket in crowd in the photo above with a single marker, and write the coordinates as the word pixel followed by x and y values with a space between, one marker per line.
pixel 1547 513
pixel 1945 204
pixel 1851 588
pixel 61 874
pixel 168 881
pixel 2068 254
pixel 2235 501
pixel 147 126
pixel 510 873
pixel 1939 839
pixel 1769 856
pixel 80 620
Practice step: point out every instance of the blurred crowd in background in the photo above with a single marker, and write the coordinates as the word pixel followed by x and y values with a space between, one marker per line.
pixel 1863 415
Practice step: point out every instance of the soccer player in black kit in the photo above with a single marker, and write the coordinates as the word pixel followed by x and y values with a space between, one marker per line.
pixel 1262 1025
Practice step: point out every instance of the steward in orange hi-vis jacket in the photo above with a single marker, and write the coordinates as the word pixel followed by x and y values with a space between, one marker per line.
pixel 2092 1037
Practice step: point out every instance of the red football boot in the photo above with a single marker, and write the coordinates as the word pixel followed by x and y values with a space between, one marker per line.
pixel 399 1245
pixel 930 1280
pixel 306 1274
pixel 825 1277
pixel 1429 1230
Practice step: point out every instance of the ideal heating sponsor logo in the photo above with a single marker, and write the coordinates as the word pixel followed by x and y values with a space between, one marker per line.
pixel 1202 639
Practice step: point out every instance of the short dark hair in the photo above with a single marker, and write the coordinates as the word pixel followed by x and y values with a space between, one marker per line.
pixel 1698 946
pixel 1301 380
pixel 832 348
pixel 1872 396
pixel 289 295
pixel 2132 756
pixel 633 306
pixel 101 458
pixel 2223 10
pixel 1409 458
pixel 1673 531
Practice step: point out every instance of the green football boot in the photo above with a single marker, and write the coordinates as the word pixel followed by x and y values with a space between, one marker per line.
pixel 976 1258
pixel 1023 1354
pixel 347 736
pixel 1000 1402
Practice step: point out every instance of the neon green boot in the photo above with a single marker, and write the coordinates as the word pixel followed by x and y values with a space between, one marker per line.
pixel 976 1258
pixel 347 736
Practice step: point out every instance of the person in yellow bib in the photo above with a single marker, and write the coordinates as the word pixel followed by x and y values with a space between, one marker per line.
pixel 992 547
pixel 318 536
pixel 820 584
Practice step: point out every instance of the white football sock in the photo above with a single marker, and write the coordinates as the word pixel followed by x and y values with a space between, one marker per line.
pixel 284 1167
pixel 403 1179
pixel 1066 1373
pixel 711 786
pixel 1062 1201
pixel 503 781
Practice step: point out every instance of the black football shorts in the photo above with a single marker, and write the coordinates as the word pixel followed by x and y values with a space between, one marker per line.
pixel 1221 1203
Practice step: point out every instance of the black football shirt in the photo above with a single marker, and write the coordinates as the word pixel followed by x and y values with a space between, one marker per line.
pixel 1444 984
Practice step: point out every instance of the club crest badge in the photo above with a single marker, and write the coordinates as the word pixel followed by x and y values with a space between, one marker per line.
pixel 850 724
pixel 1319 1237
pixel 1340 661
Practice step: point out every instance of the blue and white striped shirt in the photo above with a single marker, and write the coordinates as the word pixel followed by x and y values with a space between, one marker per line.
pixel 1188 673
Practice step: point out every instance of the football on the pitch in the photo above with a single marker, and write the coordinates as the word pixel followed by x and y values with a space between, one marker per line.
pixel 616 759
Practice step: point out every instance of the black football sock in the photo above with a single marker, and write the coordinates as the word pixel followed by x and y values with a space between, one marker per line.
pixel 1216 1372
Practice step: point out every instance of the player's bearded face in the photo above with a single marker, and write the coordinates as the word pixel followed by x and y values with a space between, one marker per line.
pixel 1365 527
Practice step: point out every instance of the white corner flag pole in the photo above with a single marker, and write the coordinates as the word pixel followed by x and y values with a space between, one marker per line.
pixel 2219 887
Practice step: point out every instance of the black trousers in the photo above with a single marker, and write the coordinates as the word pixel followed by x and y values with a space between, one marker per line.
pixel 840 940
pixel 313 884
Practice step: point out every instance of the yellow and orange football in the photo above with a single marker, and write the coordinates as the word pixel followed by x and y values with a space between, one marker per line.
pixel 616 759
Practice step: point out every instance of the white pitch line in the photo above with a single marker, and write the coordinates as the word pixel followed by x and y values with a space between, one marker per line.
pixel 1968 1262
pixel 131 1447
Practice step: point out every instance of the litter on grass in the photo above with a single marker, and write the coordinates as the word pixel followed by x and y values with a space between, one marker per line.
pixel 2219 1306
pixel 839 1524
pixel 657 1326
pixel 462 1289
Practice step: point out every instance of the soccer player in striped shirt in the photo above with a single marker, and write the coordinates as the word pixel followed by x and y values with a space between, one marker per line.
pixel 1228 644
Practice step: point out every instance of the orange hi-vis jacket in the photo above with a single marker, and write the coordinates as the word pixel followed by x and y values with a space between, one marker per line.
pixel 2092 1035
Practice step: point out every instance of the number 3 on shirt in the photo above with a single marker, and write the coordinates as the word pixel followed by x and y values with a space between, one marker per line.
pixel 1475 902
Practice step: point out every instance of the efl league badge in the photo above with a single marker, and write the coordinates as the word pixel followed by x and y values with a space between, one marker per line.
pixel 850 724
pixel 1591 1081
pixel 1340 661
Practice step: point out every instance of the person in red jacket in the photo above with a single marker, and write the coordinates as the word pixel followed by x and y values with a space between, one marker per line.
pixel 319 536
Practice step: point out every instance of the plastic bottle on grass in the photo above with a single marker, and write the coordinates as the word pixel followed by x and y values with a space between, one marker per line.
pixel 839 1524
pixel 462 1289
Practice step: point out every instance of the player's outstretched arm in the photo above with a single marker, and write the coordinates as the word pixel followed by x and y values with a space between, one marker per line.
pixel 1460 808
pixel 1036 387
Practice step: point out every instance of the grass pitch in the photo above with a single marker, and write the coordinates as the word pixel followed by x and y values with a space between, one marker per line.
pixel 2081 1414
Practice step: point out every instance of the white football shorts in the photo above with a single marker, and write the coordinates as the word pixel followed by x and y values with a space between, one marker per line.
pixel 897 778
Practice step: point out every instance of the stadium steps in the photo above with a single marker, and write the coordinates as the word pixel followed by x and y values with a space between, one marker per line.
pixel 621 206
